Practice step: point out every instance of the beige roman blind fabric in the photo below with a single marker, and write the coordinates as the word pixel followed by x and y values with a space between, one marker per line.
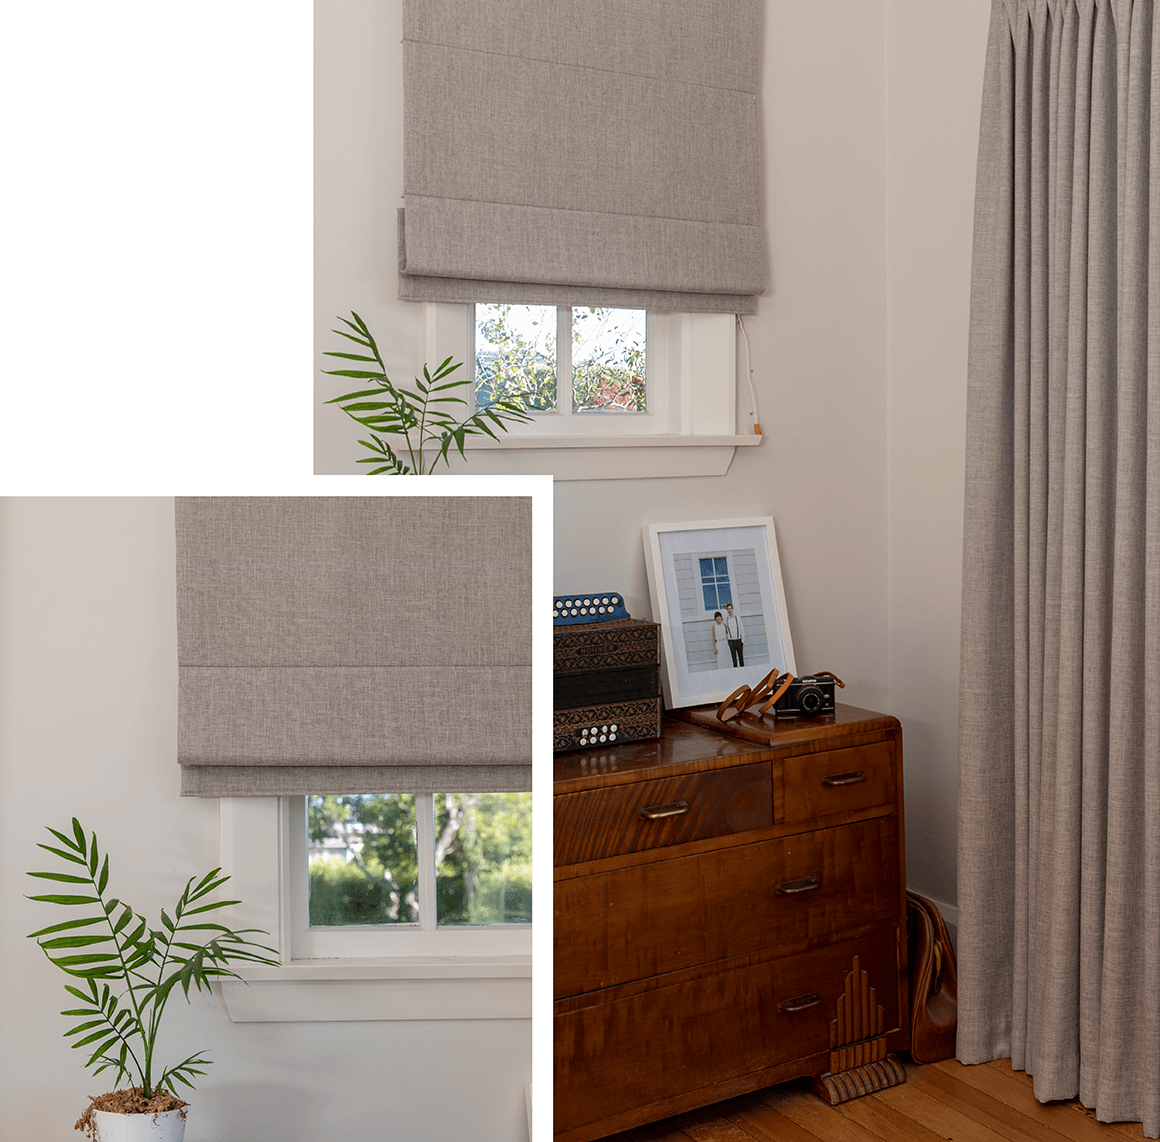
pixel 1059 772
pixel 588 152
pixel 354 644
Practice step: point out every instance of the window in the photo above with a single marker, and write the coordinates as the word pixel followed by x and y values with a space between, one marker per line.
pixel 561 360
pixel 688 423
pixel 357 971
pixel 407 874
pixel 428 860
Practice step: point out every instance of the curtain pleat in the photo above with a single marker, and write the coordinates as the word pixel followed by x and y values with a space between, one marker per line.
pixel 1059 819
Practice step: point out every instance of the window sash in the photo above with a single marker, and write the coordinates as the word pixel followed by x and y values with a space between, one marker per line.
pixel 691 379
pixel 372 941
pixel 582 422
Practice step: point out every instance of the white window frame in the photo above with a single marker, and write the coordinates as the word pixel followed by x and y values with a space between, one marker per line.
pixel 689 430
pixel 562 421
pixel 425 938
pixel 467 979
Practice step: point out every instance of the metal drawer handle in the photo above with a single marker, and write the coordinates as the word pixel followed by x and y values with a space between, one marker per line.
pixel 654 812
pixel 790 887
pixel 800 1004
pixel 844 778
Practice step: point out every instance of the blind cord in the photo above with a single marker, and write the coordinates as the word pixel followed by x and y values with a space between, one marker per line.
pixel 749 377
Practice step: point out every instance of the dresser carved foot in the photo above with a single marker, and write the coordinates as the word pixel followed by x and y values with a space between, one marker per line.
pixel 859 1063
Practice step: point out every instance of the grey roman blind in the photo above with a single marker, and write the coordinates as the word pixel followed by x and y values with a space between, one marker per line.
pixel 354 644
pixel 588 152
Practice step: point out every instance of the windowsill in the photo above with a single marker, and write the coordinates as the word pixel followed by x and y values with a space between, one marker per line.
pixel 404 988
pixel 515 443
pixel 388 968
pixel 613 457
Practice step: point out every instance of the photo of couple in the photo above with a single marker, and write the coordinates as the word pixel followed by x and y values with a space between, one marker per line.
pixel 718 595
pixel 728 634
pixel 723 612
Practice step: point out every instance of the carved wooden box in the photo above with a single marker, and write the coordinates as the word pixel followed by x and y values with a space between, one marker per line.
pixel 606 684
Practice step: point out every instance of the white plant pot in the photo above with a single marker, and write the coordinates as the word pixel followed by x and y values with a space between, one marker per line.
pixel 167 1127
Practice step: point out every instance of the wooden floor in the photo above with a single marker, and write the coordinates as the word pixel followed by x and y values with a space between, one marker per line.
pixel 938 1102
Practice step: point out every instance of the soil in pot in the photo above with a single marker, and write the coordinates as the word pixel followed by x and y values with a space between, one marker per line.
pixel 129 1101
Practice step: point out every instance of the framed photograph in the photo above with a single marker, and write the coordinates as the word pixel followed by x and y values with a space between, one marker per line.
pixel 717 594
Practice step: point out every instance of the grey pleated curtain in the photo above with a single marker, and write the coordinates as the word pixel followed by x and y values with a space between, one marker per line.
pixel 587 152
pixel 354 644
pixel 1059 794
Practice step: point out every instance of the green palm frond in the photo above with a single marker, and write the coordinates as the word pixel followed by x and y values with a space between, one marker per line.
pixel 423 430
pixel 117 946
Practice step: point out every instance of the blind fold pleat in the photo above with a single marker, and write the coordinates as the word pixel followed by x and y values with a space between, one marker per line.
pixel 582 152
pixel 354 644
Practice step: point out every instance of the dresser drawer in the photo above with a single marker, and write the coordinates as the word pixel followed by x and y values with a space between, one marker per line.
pixel 837 781
pixel 634 923
pixel 652 814
pixel 702 1030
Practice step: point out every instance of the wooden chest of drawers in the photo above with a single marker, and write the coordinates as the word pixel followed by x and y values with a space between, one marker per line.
pixel 728 915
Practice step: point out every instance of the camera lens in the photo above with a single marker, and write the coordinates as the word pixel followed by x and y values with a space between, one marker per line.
pixel 810 701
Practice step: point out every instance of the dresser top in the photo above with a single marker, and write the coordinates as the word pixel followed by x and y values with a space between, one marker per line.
pixel 684 747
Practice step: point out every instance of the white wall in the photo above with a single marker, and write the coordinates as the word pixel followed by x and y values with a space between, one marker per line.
pixel 819 355
pixel 819 344
pixel 358 152
pixel 934 73
pixel 88 707
pixel 870 127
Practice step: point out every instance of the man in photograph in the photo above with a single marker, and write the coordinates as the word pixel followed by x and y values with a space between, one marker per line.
pixel 735 635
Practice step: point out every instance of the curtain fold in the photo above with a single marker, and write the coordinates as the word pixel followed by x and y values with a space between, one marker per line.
pixel 341 645
pixel 582 152
pixel 1059 794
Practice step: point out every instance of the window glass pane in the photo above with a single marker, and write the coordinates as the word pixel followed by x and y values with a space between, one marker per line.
pixel 608 350
pixel 715 583
pixel 515 354
pixel 483 852
pixel 363 859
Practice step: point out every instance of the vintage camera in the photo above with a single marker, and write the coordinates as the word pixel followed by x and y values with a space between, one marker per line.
pixel 807 697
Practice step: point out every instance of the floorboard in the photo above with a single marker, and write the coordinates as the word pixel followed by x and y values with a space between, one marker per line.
pixel 809 1112
pixel 888 1122
pixel 949 1119
pixel 709 1126
pixel 764 1122
pixel 1002 1116
pixel 940 1102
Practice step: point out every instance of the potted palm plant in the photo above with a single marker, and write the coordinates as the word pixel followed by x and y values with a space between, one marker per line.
pixel 129 971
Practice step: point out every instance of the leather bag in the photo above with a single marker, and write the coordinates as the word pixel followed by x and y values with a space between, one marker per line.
pixel 933 982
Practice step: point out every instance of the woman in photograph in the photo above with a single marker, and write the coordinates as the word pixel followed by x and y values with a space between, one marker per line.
pixel 720 642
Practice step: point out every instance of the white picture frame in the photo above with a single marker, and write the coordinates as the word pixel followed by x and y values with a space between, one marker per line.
pixel 693 568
